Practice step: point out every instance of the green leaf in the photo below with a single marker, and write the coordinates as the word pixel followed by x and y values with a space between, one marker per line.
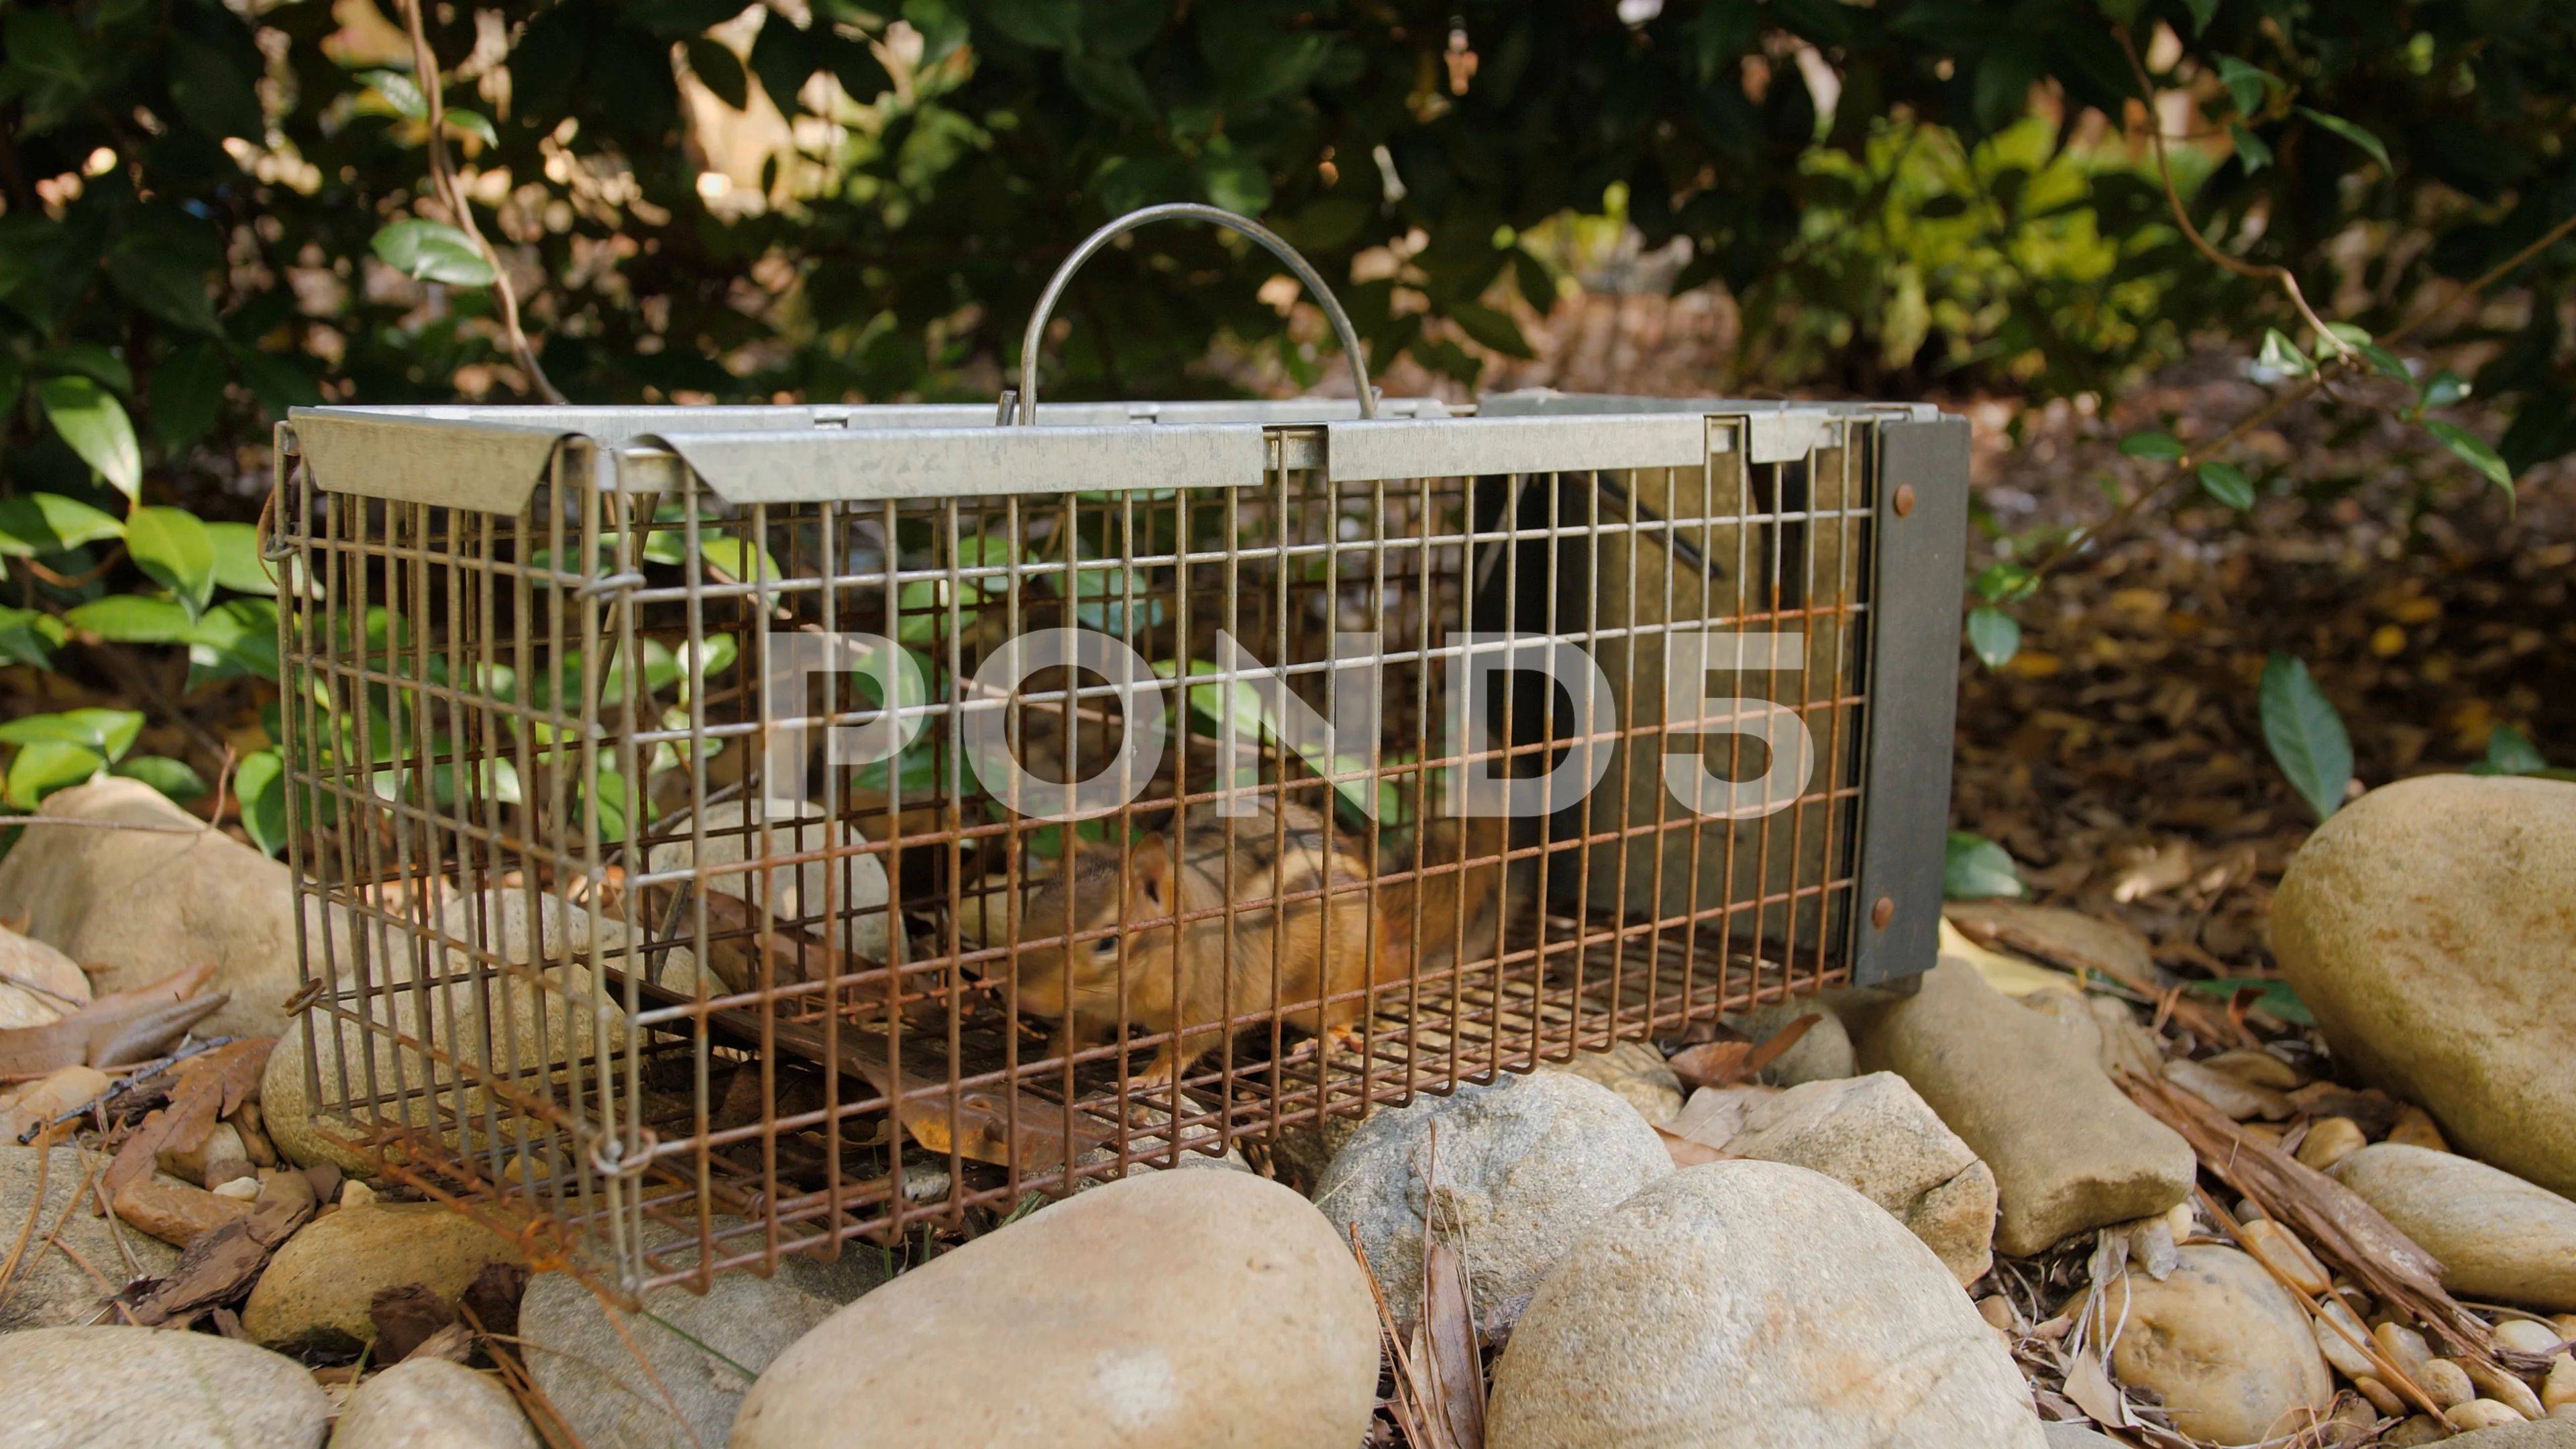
pixel 433 251
pixel 2251 149
pixel 2473 450
pixel 172 546
pixel 237 561
pixel 2006 582
pixel 1995 635
pixel 259 782
pixel 399 91
pixel 41 768
pixel 736 559
pixel 34 525
pixel 2384 362
pixel 236 637
pixel 187 394
pixel 1234 180
pixel 2202 12
pixel 2509 752
pixel 175 778
pixel 2283 356
pixel 2347 332
pixel 2151 444
pixel 2278 998
pixel 29 636
pixel 718 69
pixel 1490 328
pixel 473 123
pixel 133 619
pixel 2442 389
pixel 2227 483
pixel 2246 84
pixel 87 359
pixel 2306 735
pixel 105 732
pixel 2350 132
pixel 1976 868
pixel 91 419
pixel 165 278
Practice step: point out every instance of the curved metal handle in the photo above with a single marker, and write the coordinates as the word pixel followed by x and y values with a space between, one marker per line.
pixel 1305 273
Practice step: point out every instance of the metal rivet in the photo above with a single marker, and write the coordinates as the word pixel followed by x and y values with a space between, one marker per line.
pixel 1904 499
pixel 1885 910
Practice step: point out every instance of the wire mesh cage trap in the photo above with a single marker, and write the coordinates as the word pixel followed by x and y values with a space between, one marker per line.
pixel 798 824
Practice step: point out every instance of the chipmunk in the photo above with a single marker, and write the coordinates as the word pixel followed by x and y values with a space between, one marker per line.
pixel 1323 949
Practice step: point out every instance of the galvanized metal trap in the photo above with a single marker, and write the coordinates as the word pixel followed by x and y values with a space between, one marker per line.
pixel 797 824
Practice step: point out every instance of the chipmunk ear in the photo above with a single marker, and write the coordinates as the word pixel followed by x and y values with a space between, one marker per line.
pixel 1150 867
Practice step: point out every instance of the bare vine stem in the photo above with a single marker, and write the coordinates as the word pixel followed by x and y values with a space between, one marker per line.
pixel 2078 539
pixel 425 71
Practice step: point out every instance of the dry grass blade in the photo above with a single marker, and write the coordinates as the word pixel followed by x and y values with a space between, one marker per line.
pixel 2391 1372
pixel 1406 1406
pixel 2344 1230
pixel 1457 1371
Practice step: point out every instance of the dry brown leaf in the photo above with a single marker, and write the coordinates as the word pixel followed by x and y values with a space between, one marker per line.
pixel 207 1086
pixel 1725 1063
pixel 2093 1392
pixel 223 1264
pixel 123 1026
pixel 1406 1406
pixel 1457 1371
pixel 406 1316
pixel 1690 1151
pixel 2153 872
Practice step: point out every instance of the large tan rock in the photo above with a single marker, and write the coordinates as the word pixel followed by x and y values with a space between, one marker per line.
pixel 143 904
pixel 2230 1350
pixel 2498 1236
pixel 316 1290
pixel 429 1403
pixel 2027 1094
pixel 1873 1134
pixel 1174 1311
pixel 2431 926
pixel 38 984
pixel 1511 1174
pixel 66 1280
pixel 80 1388
pixel 1754 1305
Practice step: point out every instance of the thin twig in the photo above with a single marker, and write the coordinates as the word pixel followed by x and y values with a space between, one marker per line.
pixel 425 71
pixel 2173 198
pixel 12 822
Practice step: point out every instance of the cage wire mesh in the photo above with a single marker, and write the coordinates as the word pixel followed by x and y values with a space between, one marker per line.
pixel 793 825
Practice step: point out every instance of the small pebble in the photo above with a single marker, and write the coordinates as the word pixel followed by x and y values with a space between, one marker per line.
pixel 2505 1389
pixel 2182 1220
pixel 2559 1390
pixel 2330 1140
pixel 2281 1248
pixel 2381 1396
pixel 354 1193
pixel 2566 1325
pixel 244 1188
pixel 2405 1347
pixel 2526 1336
pixel 2260 1068
pixel 2446 1382
pixel 2483 1414
pixel 2344 1353
pixel 2415 1129
pixel 2422 1429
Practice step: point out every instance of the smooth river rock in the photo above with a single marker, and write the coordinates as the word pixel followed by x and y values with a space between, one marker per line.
pixel 2068 1150
pixel 82 1388
pixel 702 1351
pixel 316 1290
pixel 2499 1237
pixel 2230 1349
pixel 796 827
pixel 1823 1054
pixel 52 1288
pixel 143 904
pixel 1524 1167
pixel 1172 1311
pixel 2431 927
pixel 426 1402
pixel 1874 1135
pixel 1755 1305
